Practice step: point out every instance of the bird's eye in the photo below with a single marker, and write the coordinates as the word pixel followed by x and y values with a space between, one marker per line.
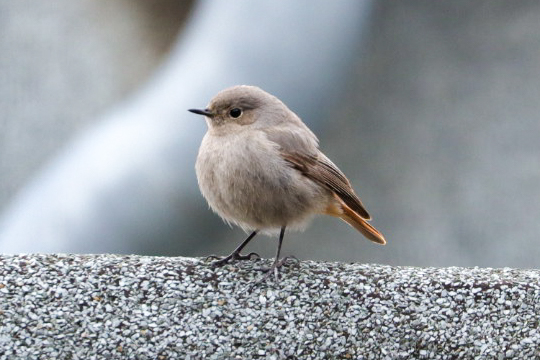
pixel 236 112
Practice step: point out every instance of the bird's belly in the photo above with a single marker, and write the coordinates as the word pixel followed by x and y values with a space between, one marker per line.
pixel 248 183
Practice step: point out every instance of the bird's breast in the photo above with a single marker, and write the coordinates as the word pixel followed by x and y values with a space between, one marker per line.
pixel 246 181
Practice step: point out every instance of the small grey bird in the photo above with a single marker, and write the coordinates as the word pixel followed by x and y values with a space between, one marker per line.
pixel 259 167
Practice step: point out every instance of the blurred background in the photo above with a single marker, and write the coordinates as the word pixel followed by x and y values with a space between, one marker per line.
pixel 431 109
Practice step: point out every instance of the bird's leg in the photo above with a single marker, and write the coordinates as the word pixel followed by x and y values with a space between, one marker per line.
pixel 235 255
pixel 277 262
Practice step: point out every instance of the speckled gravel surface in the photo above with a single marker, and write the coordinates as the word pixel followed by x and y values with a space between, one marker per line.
pixel 132 307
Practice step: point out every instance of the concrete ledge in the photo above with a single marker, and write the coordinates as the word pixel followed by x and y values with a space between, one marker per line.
pixel 133 307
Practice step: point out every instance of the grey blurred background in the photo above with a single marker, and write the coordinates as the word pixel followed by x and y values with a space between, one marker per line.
pixel 430 108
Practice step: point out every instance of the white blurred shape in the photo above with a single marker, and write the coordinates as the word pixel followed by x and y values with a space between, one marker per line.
pixel 129 180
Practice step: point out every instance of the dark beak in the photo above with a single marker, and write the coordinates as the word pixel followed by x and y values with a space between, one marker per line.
pixel 204 112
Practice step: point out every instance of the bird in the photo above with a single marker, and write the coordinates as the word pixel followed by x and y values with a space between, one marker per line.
pixel 260 167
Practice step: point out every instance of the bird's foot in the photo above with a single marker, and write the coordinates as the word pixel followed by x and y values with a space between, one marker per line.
pixel 234 256
pixel 274 269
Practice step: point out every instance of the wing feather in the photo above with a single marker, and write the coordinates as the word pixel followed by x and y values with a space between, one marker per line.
pixel 322 170
pixel 302 153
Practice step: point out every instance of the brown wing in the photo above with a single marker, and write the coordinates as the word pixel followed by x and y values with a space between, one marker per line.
pixel 319 168
pixel 299 146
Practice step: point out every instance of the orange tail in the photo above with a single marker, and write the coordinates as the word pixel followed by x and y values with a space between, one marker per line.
pixel 356 221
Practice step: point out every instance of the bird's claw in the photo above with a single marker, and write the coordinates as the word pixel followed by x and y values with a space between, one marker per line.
pixel 220 261
pixel 274 269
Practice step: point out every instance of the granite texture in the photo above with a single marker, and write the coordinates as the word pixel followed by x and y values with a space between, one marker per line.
pixel 133 307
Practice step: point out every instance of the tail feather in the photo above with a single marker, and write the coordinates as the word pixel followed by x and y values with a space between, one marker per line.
pixel 356 221
pixel 365 228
